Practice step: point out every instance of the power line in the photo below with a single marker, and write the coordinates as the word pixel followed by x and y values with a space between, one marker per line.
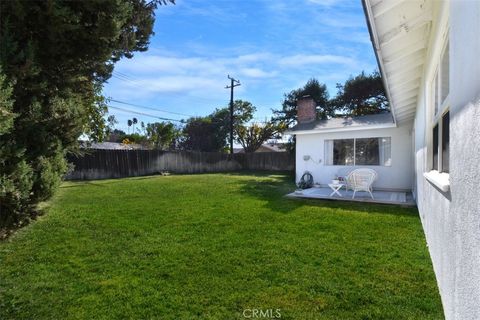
pixel 212 123
pixel 166 119
pixel 257 119
pixel 132 82
pixel 124 75
pixel 144 114
pixel 138 84
pixel 150 108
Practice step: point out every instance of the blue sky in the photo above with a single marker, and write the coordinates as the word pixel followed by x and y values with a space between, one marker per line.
pixel 271 46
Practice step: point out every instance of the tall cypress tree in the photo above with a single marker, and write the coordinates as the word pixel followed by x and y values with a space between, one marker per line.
pixel 56 55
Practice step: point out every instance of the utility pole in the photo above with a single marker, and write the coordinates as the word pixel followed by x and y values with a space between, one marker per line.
pixel 233 83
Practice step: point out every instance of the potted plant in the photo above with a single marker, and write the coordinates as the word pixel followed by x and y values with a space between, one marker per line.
pixel 336 181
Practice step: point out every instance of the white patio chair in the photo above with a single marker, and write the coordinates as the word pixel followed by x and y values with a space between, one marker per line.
pixel 361 180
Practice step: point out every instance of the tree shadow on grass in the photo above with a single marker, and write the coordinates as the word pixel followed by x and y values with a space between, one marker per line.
pixel 78 184
pixel 104 182
pixel 273 188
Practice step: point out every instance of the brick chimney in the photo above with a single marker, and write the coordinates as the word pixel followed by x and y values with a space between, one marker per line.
pixel 306 109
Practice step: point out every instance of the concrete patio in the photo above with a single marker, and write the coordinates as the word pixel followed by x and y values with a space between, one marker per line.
pixel 387 197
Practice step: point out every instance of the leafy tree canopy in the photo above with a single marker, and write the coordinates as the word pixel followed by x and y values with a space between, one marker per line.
pixel 201 134
pixel 362 95
pixel 252 137
pixel 211 133
pixel 162 135
pixel 313 88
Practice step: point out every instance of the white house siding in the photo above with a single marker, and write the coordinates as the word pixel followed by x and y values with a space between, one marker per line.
pixel 398 176
pixel 452 220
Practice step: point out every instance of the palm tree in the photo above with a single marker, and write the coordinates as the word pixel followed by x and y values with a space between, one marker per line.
pixel 129 122
pixel 134 121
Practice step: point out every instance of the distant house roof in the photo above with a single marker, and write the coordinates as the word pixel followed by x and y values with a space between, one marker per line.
pixel 374 121
pixel 266 147
pixel 273 147
pixel 110 146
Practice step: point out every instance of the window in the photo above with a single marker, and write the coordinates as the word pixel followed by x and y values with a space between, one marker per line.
pixel 343 151
pixel 367 152
pixel 441 116
pixel 435 148
pixel 363 151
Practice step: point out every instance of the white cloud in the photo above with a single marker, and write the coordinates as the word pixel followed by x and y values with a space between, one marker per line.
pixel 308 59
pixel 172 84
pixel 254 57
pixel 343 20
pixel 256 73
pixel 160 75
pixel 327 3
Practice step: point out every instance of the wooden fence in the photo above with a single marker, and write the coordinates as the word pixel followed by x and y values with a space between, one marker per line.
pixel 105 164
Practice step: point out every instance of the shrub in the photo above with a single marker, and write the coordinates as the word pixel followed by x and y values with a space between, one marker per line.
pixel 15 174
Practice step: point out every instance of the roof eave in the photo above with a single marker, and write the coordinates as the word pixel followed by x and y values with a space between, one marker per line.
pixel 348 129
pixel 378 53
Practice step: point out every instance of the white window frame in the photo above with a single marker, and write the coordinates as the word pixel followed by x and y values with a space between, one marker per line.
pixel 438 178
pixel 441 109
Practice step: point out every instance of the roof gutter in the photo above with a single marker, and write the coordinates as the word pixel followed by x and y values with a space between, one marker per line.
pixel 347 129
pixel 376 48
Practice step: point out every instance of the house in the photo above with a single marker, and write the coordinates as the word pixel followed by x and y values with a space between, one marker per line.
pixel 428 53
pixel 334 147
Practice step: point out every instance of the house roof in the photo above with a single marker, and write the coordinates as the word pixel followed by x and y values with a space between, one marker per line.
pixel 271 147
pixel 274 147
pixel 110 145
pixel 374 121
pixel 400 32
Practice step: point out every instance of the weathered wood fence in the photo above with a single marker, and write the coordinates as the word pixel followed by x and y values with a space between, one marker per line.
pixel 105 164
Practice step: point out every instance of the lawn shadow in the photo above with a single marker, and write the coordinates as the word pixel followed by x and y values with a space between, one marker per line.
pixel 273 191
pixel 104 182
pixel 77 184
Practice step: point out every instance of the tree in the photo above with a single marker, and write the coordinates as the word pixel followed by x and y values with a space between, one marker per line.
pixel 129 123
pixel 110 127
pixel 117 135
pixel 200 134
pixel 15 173
pixel 288 113
pixel 252 137
pixel 242 113
pixel 162 135
pixel 134 122
pixel 56 55
pixel 211 133
pixel 361 95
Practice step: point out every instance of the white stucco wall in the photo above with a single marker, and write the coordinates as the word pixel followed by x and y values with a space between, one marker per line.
pixel 451 220
pixel 398 176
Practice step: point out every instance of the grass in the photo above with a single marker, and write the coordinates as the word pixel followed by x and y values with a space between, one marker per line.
pixel 209 247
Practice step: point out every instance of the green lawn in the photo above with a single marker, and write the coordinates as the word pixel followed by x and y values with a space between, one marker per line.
pixel 209 247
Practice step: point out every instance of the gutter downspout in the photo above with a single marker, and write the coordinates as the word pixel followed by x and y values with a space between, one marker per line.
pixel 376 48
